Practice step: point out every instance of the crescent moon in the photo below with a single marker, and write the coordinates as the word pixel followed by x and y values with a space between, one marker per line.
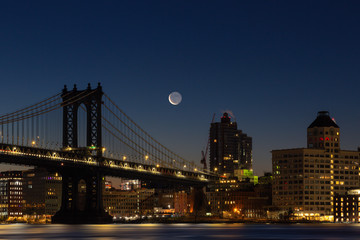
pixel 175 98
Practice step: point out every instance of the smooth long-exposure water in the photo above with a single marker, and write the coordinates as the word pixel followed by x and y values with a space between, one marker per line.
pixel 181 231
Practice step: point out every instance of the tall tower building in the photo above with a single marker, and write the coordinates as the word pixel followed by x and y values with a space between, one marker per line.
pixel 42 192
pixel 307 179
pixel 324 133
pixel 11 195
pixel 230 148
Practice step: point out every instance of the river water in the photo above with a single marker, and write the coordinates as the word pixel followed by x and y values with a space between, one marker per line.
pixel 181 231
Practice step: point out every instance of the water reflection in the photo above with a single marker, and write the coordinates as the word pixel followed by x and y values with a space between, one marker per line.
pixel 181 231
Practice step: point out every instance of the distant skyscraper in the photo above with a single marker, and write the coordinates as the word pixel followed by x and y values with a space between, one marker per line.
pixel 346 206
pixel 120 203
pixel 307 179
pixel 230 148
pixel 11 195
pixel 42 192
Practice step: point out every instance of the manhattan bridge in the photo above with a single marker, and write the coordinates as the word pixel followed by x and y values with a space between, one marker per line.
pixel 84 135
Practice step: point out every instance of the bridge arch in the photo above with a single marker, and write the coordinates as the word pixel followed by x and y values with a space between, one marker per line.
pixel 72 101
pixel 81 195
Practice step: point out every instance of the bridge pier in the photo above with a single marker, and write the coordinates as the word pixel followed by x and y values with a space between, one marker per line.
pixel 81 205
pixel 199 202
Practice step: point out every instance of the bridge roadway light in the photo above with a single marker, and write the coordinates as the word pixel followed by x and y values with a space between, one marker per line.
pixel 33 142
pixel 124 158
pixel 179 174
pixel 146 157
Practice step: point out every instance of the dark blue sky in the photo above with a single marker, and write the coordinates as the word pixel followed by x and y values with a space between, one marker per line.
pixel 274 64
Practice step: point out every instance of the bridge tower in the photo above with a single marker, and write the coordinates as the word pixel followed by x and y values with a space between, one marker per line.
pixel 82 188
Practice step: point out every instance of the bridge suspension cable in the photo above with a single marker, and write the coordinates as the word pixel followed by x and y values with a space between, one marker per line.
pixel 137 148
pixel 128 141
pixel 39 110
pixel 140 141
pixel 25 126
pixel 31 107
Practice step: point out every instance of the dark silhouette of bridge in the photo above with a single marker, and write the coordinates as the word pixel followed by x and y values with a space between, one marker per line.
pixel 98 139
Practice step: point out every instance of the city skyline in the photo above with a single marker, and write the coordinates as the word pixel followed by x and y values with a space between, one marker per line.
pixel 274 65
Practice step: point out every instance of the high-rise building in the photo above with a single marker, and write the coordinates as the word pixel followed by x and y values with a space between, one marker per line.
pixel 42 192
pixel 305 180
pixel 120 203
pixel 181 202
pixel 129 184
pixel 232 198
pixel 230 148
pixel 246 175
pixel 11 195
pixel 346 207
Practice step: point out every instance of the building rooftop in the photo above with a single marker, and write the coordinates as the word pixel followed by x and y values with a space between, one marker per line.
pixel 323 120
pixel 225 118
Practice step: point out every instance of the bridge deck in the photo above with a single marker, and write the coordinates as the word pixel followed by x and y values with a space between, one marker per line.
pixel 56 160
